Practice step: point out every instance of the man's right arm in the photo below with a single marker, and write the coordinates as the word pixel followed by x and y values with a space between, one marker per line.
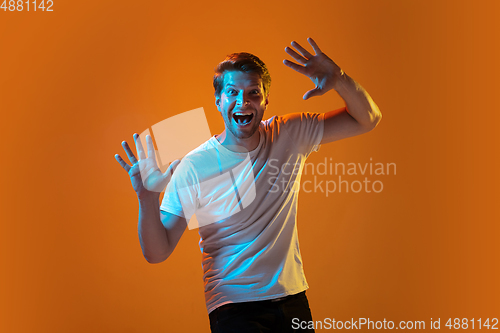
pixel 159 231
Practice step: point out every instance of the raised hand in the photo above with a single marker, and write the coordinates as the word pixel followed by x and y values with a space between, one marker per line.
pixel 145 175
pixel 322 71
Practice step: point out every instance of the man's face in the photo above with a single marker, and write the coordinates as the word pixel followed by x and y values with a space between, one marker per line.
pixel 242 103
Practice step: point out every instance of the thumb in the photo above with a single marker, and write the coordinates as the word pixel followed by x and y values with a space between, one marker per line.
pixel 170 170
pixel 311 93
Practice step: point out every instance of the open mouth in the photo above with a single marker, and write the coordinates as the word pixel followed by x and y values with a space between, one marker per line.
pixel 243 118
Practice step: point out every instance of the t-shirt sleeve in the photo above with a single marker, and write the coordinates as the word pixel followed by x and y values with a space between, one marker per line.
pixel 180 197
pixel 305 130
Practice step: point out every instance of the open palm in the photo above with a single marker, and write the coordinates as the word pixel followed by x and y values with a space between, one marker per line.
pixel 322 71
pixel 145 175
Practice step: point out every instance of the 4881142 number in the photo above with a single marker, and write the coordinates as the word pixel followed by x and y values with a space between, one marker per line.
pixel 465 323
pixel 20 5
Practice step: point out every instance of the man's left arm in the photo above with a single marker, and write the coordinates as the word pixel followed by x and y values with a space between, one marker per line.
pixel 360 115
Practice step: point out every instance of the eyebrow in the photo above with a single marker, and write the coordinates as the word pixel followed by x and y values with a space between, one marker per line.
pixel 252 85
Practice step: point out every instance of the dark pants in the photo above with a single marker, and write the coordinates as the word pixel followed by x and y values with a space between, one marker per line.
pixel 262 316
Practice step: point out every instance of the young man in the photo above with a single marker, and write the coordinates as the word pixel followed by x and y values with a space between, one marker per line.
pixel 243 186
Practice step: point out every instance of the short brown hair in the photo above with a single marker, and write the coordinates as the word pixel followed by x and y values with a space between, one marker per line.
pixel 243 62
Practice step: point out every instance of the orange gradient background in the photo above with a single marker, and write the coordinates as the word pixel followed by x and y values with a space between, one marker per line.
pixel 77 81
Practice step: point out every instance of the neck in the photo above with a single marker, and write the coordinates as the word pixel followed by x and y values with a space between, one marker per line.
pixel 239 145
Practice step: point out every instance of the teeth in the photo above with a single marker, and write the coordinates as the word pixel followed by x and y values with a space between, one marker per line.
pixel 243 117
pixel 242 122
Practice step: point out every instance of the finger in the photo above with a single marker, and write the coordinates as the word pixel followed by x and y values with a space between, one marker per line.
pixel 315 46
pixel 122 162
pixel 302 50
pixel 151 147
pixel 129 152
pixel 300 59
pixel 312 93
pixel 171 168
pixel 138 147
pixel 174 165
pixel 294 66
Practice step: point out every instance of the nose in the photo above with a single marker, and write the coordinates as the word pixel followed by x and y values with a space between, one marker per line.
pixel 242 99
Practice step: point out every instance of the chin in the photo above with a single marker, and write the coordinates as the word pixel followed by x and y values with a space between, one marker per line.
pixel 247 135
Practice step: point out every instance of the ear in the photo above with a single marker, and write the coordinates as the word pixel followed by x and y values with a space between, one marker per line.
pixel 217 103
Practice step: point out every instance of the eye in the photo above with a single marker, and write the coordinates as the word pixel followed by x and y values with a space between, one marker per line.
pixel 255 92
pixel 231 91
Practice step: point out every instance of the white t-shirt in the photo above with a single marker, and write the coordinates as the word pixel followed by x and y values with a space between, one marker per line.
pixel 246 204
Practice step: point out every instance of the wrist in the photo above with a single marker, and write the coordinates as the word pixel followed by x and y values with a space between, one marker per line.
pixel 341 82
pixel 148 196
